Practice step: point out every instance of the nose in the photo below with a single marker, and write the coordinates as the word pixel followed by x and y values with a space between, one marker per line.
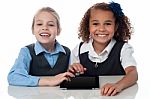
pixel 44 28
pixel 101 28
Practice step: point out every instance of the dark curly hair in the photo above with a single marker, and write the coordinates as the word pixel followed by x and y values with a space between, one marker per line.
pixel 123 32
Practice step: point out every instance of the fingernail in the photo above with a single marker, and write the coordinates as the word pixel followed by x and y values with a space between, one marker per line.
pixel 77 73
pixel 81 72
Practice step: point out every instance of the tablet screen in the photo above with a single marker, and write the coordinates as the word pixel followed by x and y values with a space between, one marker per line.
pixel 81 83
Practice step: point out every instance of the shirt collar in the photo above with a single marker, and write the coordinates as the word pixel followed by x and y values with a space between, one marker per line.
pixel 39 48
pixel 110 46
pixel 89 47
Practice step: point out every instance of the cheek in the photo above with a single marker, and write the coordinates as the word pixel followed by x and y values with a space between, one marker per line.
pixel 111 30
pixel 91 30
pixel 55 31
pixel 35 30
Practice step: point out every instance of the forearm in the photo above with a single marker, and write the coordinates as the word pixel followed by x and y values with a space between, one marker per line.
pixel 46 81
pixel 54 80
pixel 22 80
pixel 129 79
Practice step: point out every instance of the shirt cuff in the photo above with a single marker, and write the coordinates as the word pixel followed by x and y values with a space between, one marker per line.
pixel 35 81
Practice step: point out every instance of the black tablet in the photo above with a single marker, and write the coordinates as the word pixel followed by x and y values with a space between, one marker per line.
pixel 81 83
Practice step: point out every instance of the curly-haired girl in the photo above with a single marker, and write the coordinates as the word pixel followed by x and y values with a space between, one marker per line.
pixel 105 31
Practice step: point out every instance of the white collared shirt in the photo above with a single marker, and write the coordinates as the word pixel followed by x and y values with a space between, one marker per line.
pixel 126 56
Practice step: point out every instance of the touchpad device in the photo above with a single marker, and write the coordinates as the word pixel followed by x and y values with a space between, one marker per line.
pixel 81 82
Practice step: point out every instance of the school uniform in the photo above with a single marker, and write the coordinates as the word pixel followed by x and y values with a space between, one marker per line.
pixel 35 61
pixel 111 61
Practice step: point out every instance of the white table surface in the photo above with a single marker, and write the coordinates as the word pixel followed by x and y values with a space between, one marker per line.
pixel 57 93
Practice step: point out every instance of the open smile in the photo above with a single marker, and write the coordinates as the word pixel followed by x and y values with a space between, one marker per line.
pixel 101 35
pixel 44 34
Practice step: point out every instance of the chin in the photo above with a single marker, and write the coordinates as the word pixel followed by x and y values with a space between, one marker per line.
pixel 44 42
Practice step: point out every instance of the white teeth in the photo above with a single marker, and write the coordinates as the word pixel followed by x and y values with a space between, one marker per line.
pixel 101 35
pixel 44 34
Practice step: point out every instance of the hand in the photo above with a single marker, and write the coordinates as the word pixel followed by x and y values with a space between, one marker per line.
pixel 111 89
pixel 61 77
pixel 77 68
pixel 55 80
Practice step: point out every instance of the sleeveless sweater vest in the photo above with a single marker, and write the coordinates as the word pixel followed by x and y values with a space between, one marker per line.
pixel 39 66
pixel 111 66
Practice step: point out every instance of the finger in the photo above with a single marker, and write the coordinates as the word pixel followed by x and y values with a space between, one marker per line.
pixel 114 93
pixel 105 90
pixel 69 79
pixel 69 74
pixel 78 67
pixel 81 68
pixel 110 91
pixel 64 78
pixel 102 91
pixel 85 69
pixel 71 70
pixel 75 67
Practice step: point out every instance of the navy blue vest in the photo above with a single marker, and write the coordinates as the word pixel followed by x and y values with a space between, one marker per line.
pixel 111 66
pixel 39 66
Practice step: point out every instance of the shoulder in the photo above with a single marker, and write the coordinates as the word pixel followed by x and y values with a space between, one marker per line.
pixel 30 46
pixel 61 48
pixel 24 52
pixel 82 46
pixel 67 50
pixel 76 49
pixel 123 45
pixel 127 46
pixel 127 56
pixel 24 49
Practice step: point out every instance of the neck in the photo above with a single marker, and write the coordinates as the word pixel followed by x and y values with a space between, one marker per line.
pixel 99 47
pixel 50 47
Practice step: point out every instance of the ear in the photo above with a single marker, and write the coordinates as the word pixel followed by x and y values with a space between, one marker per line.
pixel 58 31
pixel 33 31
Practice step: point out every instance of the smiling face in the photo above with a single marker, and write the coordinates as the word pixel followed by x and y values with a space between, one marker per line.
pixel 101 26
pixel 45 27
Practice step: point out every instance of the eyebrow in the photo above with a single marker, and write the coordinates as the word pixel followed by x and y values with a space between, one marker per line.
pixel 94 20
pixel 108 21
pixel 41 20
pixel 98 21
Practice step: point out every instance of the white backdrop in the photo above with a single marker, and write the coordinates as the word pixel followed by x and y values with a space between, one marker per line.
pixel 15 30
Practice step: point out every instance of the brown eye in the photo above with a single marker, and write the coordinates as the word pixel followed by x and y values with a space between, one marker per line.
pixel 95 23
pixel 107 23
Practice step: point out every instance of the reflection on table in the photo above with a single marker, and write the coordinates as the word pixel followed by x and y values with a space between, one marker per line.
pixel 57 93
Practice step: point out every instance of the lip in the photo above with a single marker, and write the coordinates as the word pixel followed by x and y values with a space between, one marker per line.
pixel 101 35
pixel 45 34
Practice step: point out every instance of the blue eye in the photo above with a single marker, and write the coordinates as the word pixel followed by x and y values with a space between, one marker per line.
pixel 51 25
